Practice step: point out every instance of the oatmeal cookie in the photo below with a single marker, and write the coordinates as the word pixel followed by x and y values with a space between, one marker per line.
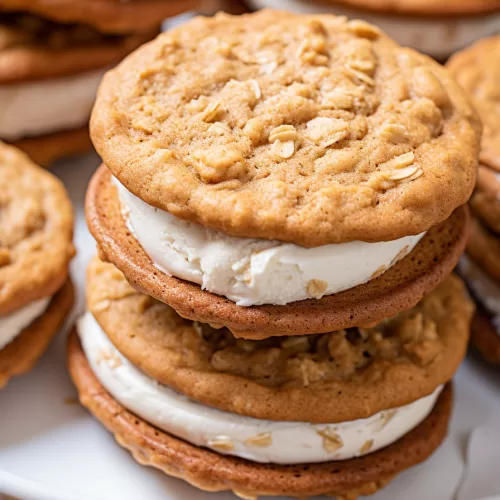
pixel 305 129
pixel 477 70
pixel 214 472
pixel 398 289
pixel 36 231
pixel 369 370
pixel 20 355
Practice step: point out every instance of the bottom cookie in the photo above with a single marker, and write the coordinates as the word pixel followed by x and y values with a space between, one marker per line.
pixel 211 471
pixel 45 150
pixel 21 355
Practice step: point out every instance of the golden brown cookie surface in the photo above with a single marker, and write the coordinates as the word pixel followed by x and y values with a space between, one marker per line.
pixel 23 352
pixel 36 231
pixel 34 48
pixel 46 149
pixel 398 289
pixel 477 71
pixel 288 378
pixel 109 16
pixel 213 472
pixel 304 129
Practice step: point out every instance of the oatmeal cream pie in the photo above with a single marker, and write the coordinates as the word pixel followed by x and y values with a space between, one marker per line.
pixel 179 383
pixel 49 72
pixel 36 228
pixel 435 28
pixel 477 70
pixel 311 156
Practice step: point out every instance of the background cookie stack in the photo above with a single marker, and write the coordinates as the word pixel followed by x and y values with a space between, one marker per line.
pixel 477 70
pixel 36 230
pixel 52 58
pixel 289 214
pixel 435 28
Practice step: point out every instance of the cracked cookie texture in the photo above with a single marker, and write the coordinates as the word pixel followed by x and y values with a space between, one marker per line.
pixel 307 129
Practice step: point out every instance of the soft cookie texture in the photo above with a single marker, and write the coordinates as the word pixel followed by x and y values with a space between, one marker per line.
pixel 288 378
pixel 109 16
pixel 398 289
pixel 36 231
pixel 213 472
pixel 307 129
pixel 477 70
pixel 21 355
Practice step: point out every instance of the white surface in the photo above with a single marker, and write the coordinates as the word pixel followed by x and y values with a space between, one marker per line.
pixel 437 36
pixel 14 323
pixel 37 108
pixel 60 446
pixel 201 425
pixel 254 271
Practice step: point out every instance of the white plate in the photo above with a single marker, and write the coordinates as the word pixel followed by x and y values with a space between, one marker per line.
pixel 52 449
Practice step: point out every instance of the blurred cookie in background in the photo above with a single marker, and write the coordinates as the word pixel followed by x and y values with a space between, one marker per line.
pixel 52 58
pixel 36 233
pixel 477 70
pixel 435 28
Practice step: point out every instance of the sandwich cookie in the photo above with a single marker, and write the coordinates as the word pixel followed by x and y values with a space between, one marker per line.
pixel 477 70
pixel 52 58
pixel 397 289
pixel 486 323
pixel 36 230
pixel 290 180
pixel 437 29
pixel 399 360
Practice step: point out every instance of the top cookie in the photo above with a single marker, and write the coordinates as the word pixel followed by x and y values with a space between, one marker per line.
pixel 36 230
pixel 426 7
pixel 477 70
pixel 307 129
pixel 110 16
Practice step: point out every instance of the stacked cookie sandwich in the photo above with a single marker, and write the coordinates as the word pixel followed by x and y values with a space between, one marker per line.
pixel 36 228
pixel 283 222
pixel 435 28
pixel 52 58
pixel 477 71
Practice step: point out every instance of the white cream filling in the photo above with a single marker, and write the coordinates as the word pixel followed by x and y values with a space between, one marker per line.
pixel 437 36
pixel 13 324
pixel 227 433
pixel 252 271
pixel 485 288
pixel 42 107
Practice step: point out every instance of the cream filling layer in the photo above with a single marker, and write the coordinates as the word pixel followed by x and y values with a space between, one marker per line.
pixel 438 36
pixel 227 433
pixel 485 288
pixel 43 107
pixel 13 324
pixel 253 271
